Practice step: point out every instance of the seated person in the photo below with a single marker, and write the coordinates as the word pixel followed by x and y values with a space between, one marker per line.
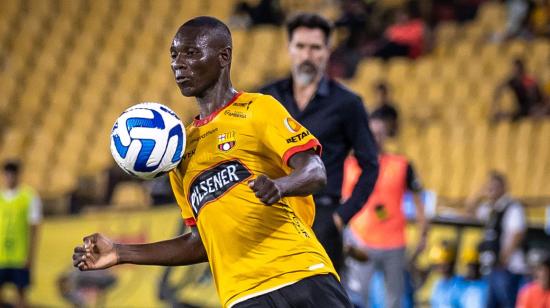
pixel 443 259
pixel 473 290
pixel 537 293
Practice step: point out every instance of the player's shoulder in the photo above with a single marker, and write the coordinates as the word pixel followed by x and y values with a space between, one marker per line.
pixel 257 101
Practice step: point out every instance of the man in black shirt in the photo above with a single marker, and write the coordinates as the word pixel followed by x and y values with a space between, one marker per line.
pixel 530 100
pixel 337 117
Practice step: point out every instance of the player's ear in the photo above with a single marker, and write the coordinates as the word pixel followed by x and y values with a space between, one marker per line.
pixel 225 56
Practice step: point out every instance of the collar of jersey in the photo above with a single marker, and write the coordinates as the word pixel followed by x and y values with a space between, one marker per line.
pixel 200 122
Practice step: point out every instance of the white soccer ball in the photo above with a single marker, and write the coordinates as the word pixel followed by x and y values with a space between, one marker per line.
pixel 148 140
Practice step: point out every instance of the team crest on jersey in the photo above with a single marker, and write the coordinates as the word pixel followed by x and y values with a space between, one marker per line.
pixel 226 141
pixel 292 125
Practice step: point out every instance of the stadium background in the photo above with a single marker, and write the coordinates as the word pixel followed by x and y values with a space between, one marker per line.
pixel 68 68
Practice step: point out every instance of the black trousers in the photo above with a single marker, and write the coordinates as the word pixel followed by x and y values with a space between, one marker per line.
pixel 313 292
pixel 328 235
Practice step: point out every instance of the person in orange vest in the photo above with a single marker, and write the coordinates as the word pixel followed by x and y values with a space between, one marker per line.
pixel 537 293
pixel 378 230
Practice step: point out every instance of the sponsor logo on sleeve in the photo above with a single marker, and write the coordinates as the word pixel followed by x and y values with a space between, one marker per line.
pixel 292 125
pixel 298 137
pixel 213 183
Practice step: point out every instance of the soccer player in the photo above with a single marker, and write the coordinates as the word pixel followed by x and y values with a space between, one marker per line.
pixel 243 187
pixel 20 216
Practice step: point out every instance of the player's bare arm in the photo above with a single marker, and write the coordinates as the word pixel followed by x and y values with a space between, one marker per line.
pixel 308 177
pixel 99 252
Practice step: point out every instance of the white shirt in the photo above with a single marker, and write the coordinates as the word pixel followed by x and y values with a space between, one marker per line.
pixel 513 221
pixel 35 208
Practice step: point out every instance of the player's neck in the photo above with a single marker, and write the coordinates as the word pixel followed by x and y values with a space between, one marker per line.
pixel 215 98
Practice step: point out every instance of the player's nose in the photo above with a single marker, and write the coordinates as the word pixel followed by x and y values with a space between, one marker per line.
pixel 179 63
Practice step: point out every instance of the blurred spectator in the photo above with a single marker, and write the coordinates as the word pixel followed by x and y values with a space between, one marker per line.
pixel 160 190
pixel 336 116
pixel 539 19
pixel 385 108
pixel 86 289
pixel 266 12
pixel 355 17
pixel 502 257
pixel 537 293
pixel 443 259
pixel 20 216
pixel 406 37
pixel 529 97
pixel 473 290
pixel 516 20
pixel 379 228
pixel 461 11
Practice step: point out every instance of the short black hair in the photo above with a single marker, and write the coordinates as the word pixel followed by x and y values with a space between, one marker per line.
pixel 12 166
pixel 382 86
pixel 499 177
pixel 311 21
pixel 210 23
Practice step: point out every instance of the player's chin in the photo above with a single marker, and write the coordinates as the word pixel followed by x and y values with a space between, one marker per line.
pixel 187 91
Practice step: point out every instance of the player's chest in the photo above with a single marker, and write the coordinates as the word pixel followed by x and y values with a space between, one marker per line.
pixel 214 144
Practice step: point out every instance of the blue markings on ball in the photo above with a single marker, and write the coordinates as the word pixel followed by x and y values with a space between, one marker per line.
pixel 147 145
pixel 177 131
pixel 155 122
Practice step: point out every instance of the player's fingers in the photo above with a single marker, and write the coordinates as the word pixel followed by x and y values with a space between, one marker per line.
pixel 82 266
pixel 79 249
pixel 274 198
pixel 77 258
pixel 259 182
pixel 270 196
pixel 90 240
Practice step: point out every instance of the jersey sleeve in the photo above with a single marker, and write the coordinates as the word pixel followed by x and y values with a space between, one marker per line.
pixel 283 134
pixel 177 187
pixel 413 182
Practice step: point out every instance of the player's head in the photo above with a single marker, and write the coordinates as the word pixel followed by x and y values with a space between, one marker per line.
pixel 381 89
pixel 443 257
pixel 308 46
pixel 518 67
pixel 496 186
pixel 542 271
pixel 201 55
pixel 379 127
pixel 11 171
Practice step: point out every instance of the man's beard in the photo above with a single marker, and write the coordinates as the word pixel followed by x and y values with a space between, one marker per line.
pixel 305 73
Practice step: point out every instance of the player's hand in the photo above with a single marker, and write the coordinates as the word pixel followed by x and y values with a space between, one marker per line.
pixel 266 189
pixel 356 253
pixel 338 222
pixel 98 252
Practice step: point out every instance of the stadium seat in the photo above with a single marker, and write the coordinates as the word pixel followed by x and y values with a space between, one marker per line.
pixel 130 195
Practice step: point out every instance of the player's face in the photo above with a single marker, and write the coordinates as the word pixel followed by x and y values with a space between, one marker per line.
pixel 194 62
pixel 10 179
pixel 542 275
pixel 309 53
pixel 495 189
pixel 379 129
